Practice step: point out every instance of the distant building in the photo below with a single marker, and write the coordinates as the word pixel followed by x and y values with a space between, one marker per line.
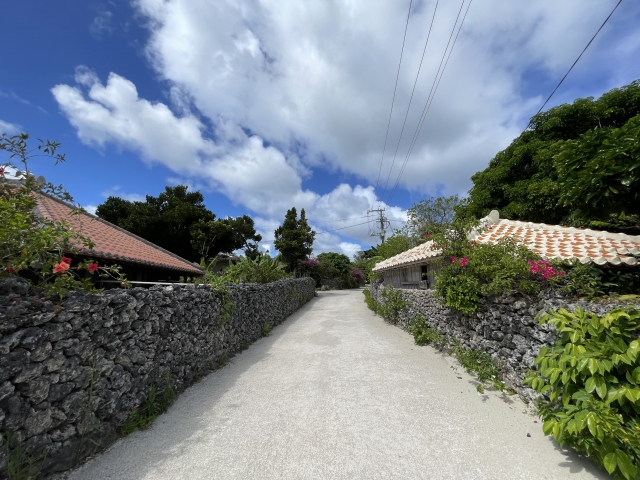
pixel 222 261
pixel 417 267
pixel 141 260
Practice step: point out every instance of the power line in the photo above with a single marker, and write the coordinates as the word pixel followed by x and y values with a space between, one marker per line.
pixel 394 93
pixel 410 99
pixel 432 92
pixel 574 63
pixel 342 228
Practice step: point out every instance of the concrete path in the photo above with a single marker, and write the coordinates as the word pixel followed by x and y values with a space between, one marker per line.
pixel 335 393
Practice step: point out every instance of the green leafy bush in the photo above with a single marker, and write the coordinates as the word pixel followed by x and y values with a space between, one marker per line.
pixel 33 246
pixel 392 304
pixel 481 270
pixel 592 379
pixel 370 301
pixel 263 269
pixel 479 363
pixel 422 334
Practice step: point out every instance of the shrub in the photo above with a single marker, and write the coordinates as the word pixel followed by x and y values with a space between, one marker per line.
pixel 591 377
pixel 263 269
pixel 370 301
pixel 482 270
pixel 422 334
pixel 35 247
pixel 392 304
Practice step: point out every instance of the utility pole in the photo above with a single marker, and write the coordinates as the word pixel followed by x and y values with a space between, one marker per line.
pixel 383 223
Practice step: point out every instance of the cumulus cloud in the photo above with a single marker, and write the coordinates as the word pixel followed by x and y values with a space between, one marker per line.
pixel 317 77
pixel 242 166
pixel 264 93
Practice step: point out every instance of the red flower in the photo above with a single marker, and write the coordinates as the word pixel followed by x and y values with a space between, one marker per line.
pixel 11 270
pixel 66 260
pixel 464 261
pixel 60 267
pixel 1 171
pixel 454 259
pixel 93 267
pixel 427 235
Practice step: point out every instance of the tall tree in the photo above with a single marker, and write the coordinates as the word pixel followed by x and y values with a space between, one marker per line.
pixel 226 235
pixel 523 182
pixel 294 238
pixel 179 221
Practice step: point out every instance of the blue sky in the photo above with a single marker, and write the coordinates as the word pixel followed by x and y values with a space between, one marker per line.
pixel 273 104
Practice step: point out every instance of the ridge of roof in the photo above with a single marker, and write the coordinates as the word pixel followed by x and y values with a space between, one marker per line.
pixel 549 241
pixel 50 216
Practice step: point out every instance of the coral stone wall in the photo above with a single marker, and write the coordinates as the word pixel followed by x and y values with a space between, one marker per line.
pixel 505 327
pixel 71 371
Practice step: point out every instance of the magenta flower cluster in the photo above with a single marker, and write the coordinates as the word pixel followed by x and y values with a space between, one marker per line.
pixel 463 260
pixel 311 263
pixel 544 269
pixel 357 275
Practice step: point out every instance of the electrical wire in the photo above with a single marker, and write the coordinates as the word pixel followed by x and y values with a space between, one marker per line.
pixel 410 100
pixel 342 228
pixel 432 92
pixel 394 94
pixel 574 63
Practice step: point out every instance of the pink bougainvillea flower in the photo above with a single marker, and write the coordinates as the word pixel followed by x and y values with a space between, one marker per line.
pixel 66 260
pixel 454 259
pixel 93 267
pixel 426 235
pixel 60 267
pixel 1 171
pixel 464 261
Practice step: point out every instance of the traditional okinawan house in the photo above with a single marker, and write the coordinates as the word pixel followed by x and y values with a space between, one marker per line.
pixel 417 267
pixel 141 261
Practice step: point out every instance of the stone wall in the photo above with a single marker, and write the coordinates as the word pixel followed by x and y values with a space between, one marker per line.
pixel 505 327
pixel 71 370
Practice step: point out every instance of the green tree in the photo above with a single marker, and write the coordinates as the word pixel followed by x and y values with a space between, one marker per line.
pixel 431 215
pixel 522 181
pixel 340 261
pixel 598 173
pixel 178 221
pixel 294 238
pixel 210 237
pixel 397 243
pixel 165 220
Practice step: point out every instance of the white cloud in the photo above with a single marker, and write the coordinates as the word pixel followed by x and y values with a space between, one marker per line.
pixel 248 172
pixel 9 128
pixel 312 80
pixel 101 25
pixel 290 87
pixel 116 191
pixel 91 209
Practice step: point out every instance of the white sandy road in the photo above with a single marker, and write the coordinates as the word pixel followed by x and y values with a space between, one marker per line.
pixel 336 393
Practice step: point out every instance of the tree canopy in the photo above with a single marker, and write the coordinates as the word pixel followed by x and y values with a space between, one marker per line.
pixel 294 238
pixel 575 165
pixel 178 221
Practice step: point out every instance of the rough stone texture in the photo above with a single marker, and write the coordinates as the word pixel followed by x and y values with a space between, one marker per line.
pixel 70 371
pixel 505 327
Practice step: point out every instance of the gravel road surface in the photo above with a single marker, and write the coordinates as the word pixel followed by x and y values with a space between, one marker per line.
pixel 335 393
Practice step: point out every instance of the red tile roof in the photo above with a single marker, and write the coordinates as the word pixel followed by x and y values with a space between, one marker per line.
pixel 113 242
pixel 566 243
pixel 549 241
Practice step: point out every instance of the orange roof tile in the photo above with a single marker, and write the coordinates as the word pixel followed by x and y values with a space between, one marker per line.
pixel 113 242
pixel 549 241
